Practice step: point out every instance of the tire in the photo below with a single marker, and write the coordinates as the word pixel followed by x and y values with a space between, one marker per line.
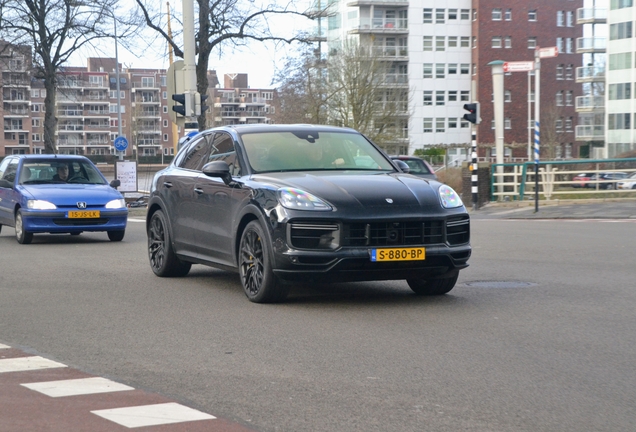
pixel 435 286
pixel 163 260
pixel 260 284
pixel 0 228
pixel 22 236
pixel 115 236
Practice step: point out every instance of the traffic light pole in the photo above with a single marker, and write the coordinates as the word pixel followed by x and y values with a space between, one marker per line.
pixel 537 129
pixel 474 169
pixel 189 65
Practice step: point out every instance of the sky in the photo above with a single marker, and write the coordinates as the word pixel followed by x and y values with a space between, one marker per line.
pixel 257 59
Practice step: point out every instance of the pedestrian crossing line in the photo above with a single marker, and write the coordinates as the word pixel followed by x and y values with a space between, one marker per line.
pixel 20 364
pixel 4 346
pixel 75 387
pixel 152 415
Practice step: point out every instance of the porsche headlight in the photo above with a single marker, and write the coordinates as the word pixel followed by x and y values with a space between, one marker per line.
pixel 40 205
pixel 298 199
pixel 116 204
pixel 449 198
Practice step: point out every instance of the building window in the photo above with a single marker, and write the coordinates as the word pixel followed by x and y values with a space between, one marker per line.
pixel 620 61
pixel 559 44
pixel 36 122
pixel 464 42
pixel 428 43
pixel 508 15
pixel 464 95
pixel 464 68
pixel 452 123
pixel 569 19
pixel 507 96
pixel 440 43
pixel 559 72
pixel 569 45
pixel 452 14
pixel 164 95
pixel 569 98
pixel 560 19
pixel 558 125
pixel 464 14
pixel 452 68
pixel 569 72
pixel 559 98
pixel 427 124
pixel 621 30
pixel 496 14
pixel 452 41
pixel 532 15
pixel 440 97
pixel 452 95
pixel 165 123
pixel 440 15
pixel 474 14
pixel 165 109
pixel 620 91
pixel 507 123
pixel 496 42
pixel 568 124
pixel 620 4
pixel 440 125
pixel 165 137
pixel 508 42
pixel 439 70
pixel 532 42
pixel 428 98
pixel 619 121
pixel 427 71
pixel 474 42
pixel 427 16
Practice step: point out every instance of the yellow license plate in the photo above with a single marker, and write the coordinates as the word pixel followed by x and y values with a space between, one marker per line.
pixel 83 214
pixel 398 254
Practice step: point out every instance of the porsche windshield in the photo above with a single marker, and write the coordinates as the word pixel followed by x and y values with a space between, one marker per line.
pixel 310 150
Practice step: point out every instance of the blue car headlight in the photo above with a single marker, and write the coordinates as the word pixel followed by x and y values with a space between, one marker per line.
pixel 448 197
pixel 116 204
pixel 40 205
pixel 297 199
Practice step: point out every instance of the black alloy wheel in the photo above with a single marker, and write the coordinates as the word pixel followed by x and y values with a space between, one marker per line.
pixel 434 286
pixel 21 235
pixel 163 260
pixel 259 281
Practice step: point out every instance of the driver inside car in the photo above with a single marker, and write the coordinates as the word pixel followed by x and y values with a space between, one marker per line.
pixel 62 173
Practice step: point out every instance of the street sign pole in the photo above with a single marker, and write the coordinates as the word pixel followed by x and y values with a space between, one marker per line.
pixel 537 129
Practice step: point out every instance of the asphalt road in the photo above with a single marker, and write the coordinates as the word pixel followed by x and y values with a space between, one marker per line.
pixel 537 336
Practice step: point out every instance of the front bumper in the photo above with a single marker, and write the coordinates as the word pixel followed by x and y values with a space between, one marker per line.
pixel 57 221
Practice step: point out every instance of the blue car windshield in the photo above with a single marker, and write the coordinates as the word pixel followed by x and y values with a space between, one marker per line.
pixel 59 171
pixel 308 151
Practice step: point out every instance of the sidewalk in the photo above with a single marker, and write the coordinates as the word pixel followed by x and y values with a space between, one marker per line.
pixel 557 209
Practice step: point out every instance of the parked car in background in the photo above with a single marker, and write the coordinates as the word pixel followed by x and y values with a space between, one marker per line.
pixel 581 180
pixel 606 180
pixel 417 166
pixel 298 203
pixel 35 198
pixel 627 183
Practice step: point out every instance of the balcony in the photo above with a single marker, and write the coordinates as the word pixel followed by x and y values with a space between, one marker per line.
pixel 589 104
pixel 380 25
pixel 590 132
pixel 587 45
pixel 591 16
pixel 145 85
pixel 390 3
pixel 588 74
pixel 17 112
pixel 391 53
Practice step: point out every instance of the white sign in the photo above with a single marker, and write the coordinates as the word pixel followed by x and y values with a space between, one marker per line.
pixel 548 52
pixel 520 66
pixel 126 173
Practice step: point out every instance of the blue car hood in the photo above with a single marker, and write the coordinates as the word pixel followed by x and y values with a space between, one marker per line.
pixel 70 194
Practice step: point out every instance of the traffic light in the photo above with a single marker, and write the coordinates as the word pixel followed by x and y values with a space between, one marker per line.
pixel 199 106
pixel 473 113
pixel 180 99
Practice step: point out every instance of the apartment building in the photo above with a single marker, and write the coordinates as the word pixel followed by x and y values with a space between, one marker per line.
pixel 620 112
pixel 441 50
pixel 87 105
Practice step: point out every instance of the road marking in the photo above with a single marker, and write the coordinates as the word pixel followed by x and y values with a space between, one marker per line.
pixel 74 387
pixel 136 220
pixel 4 346
pixel 152 415
pixel 27 363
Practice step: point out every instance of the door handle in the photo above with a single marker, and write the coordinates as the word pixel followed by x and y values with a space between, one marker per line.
pixel 198 190
pixel 167 184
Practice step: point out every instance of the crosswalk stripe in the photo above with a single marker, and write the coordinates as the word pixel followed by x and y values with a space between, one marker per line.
pixel 4 346
pixel 152 415
pixel 74 387
pixel 19 364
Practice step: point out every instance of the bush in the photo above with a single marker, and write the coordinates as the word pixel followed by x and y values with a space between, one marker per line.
pixel 452 177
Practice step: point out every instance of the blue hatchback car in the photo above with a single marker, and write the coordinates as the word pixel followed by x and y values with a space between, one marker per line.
pixel 58 194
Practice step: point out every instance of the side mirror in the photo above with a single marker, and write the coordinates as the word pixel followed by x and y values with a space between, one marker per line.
pixel 218 169
pixel 6 184
pixel 402 166
pixel 115 183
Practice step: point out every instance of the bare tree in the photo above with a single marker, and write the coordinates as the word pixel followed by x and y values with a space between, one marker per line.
pixel 223 24
pixel 55 29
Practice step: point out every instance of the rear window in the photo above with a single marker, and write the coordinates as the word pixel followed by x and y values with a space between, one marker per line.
pixel 417 166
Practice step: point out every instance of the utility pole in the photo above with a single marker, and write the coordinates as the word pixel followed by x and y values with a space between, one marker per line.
pixel 175 129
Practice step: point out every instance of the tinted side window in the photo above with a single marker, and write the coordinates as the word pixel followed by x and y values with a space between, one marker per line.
pixel 196 154
pixel 10 170
pixel 223 150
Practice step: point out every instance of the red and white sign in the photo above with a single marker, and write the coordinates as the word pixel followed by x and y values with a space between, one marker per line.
pixel 520 66
pixel 548 52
